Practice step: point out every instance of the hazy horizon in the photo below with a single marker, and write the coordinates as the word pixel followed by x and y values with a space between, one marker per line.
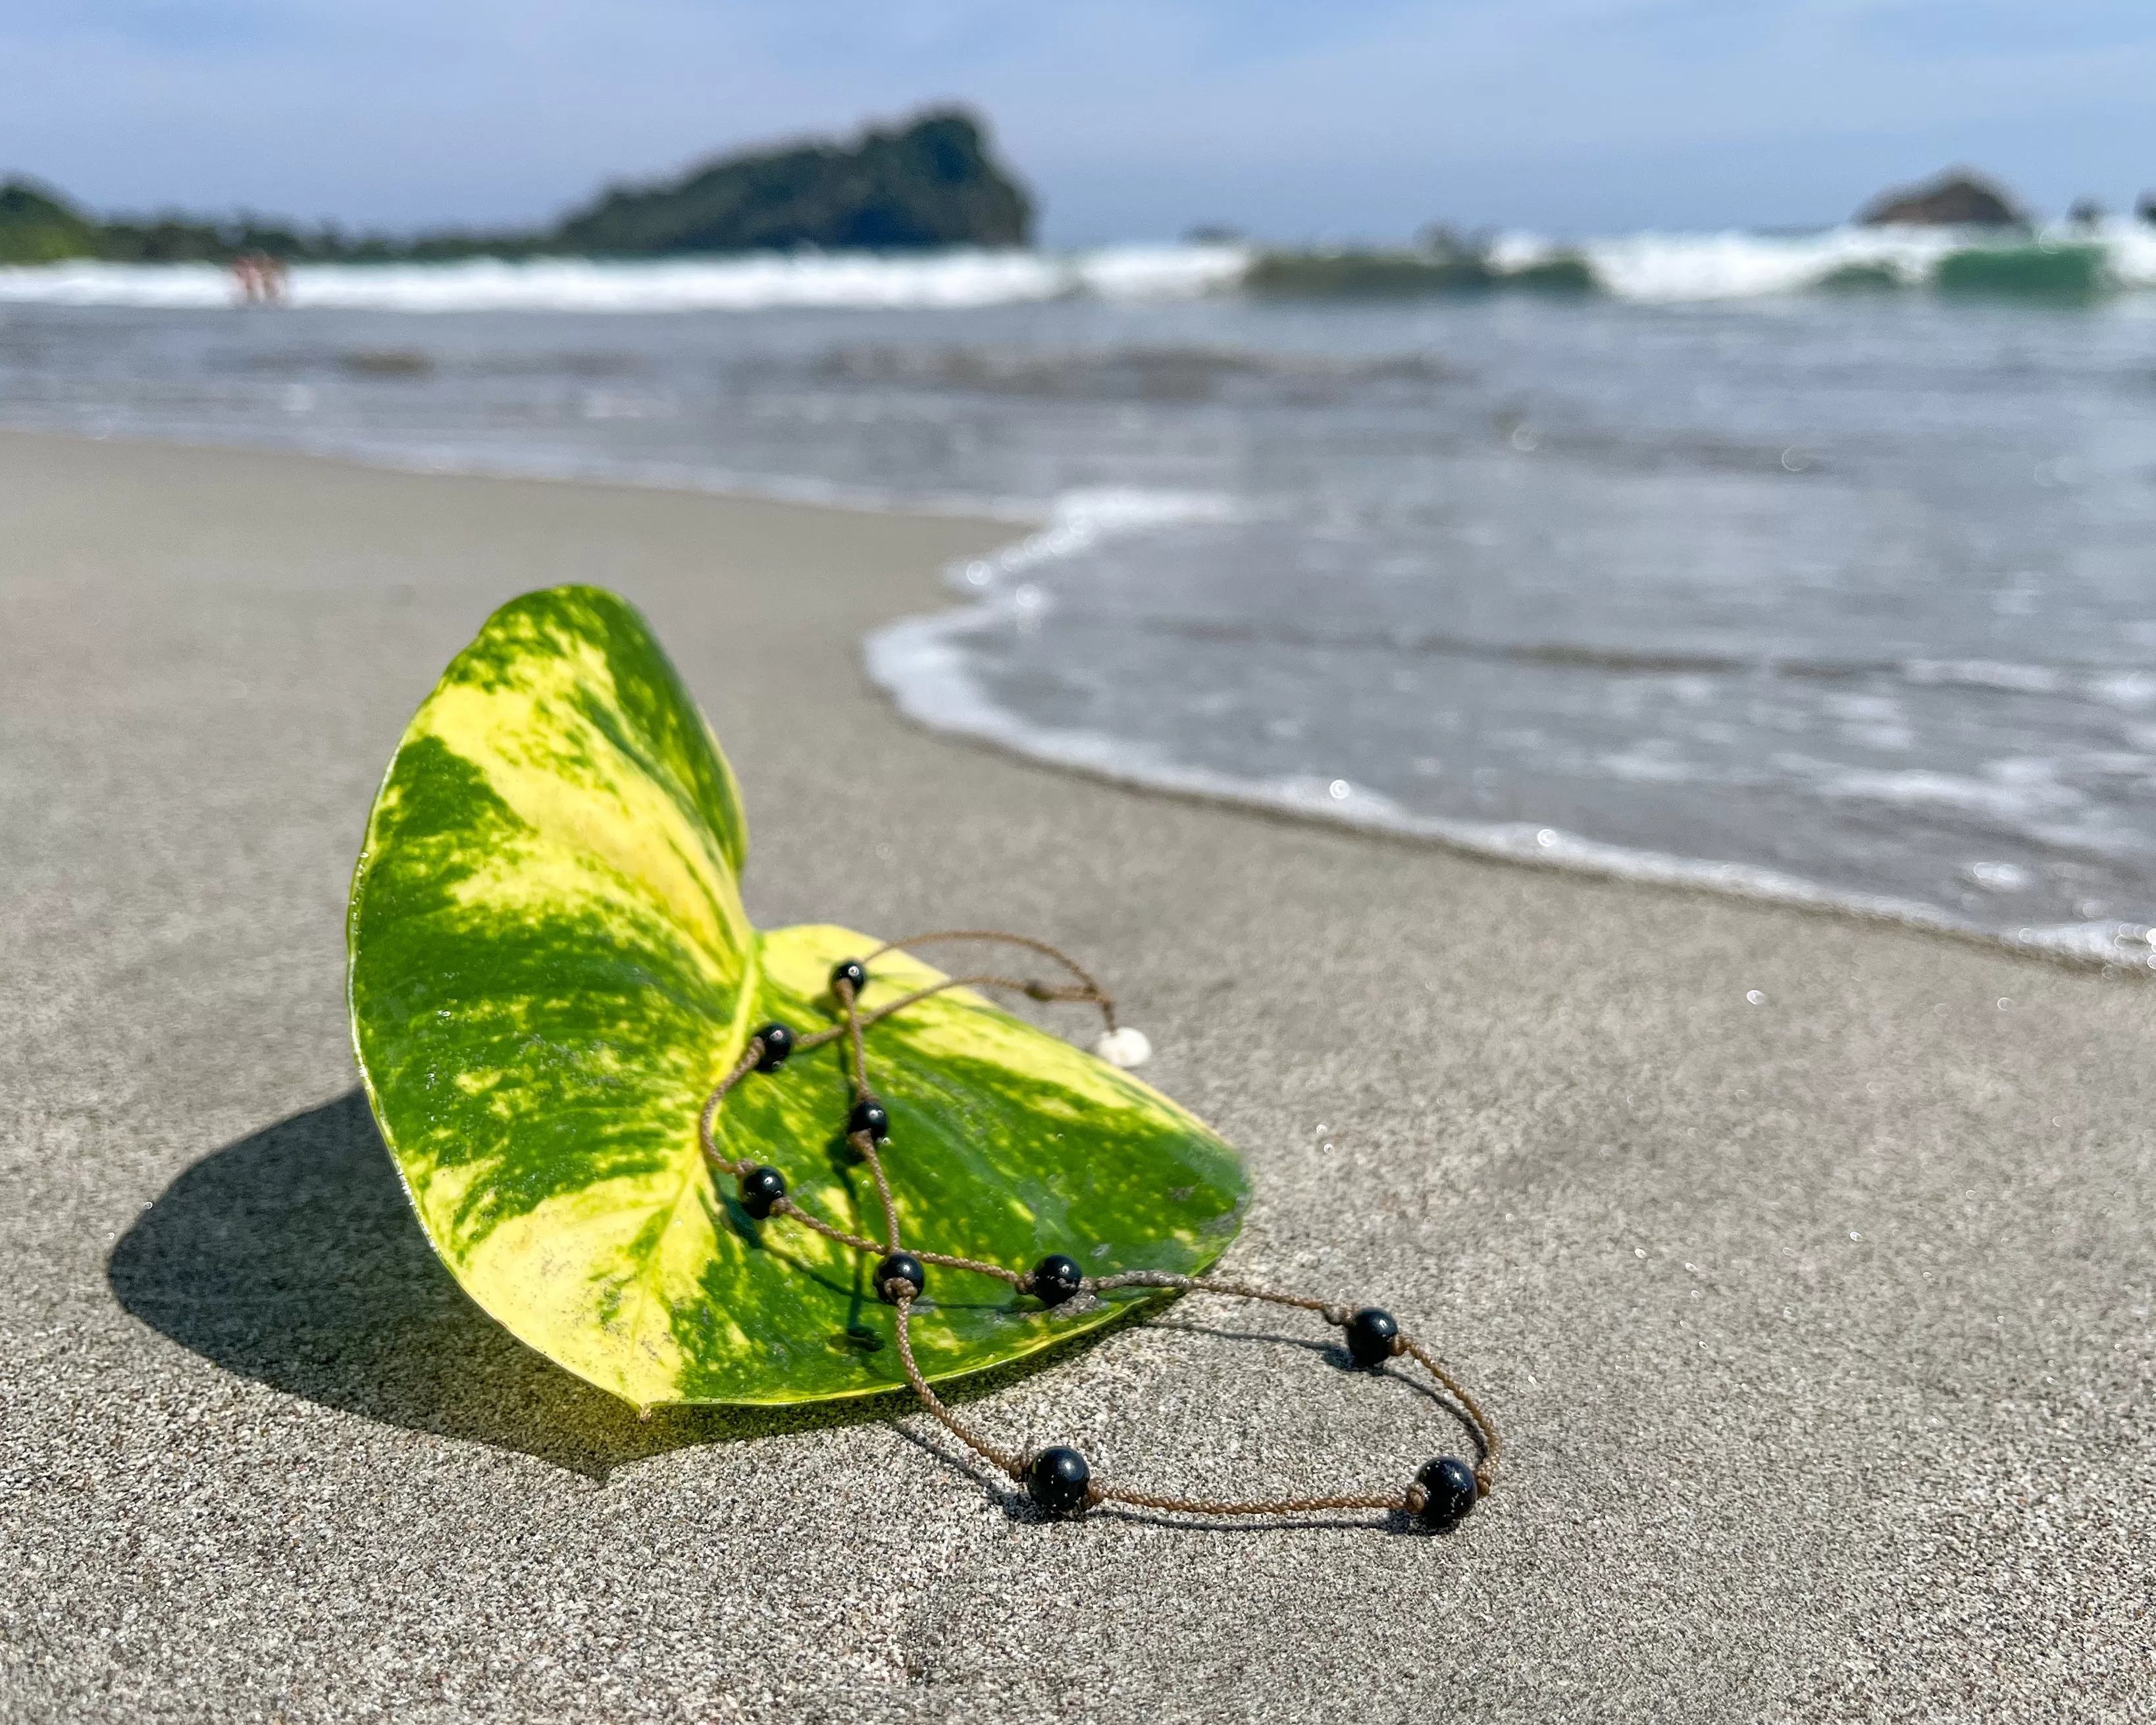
pixel 1127 122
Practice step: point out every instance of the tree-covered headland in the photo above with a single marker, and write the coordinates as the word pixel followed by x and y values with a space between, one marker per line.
pixel 932 182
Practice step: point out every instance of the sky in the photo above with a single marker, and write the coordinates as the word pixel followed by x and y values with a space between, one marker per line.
pixel 1129 119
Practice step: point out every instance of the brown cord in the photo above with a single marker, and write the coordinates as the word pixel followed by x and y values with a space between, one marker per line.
pixel 901 1294
pixel 787 1207
pixel 1091 990
pixel 1010 1462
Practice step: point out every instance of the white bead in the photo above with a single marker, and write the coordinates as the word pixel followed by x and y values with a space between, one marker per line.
pixel 1126 1047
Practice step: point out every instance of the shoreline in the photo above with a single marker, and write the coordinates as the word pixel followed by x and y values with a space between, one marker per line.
pixel 1524 845
pixel 1806 1263
pixel 891 653
pixel 891 658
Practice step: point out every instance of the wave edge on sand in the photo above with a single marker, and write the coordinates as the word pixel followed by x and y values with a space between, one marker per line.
pixel 917 662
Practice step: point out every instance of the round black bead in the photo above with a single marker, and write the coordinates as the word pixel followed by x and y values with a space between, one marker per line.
pixel 1056 1480
pixel 850 973
pixel 869 1116
pixel 1370 1334
pixel 761 1187
pixel 1055 1279
pixel 899 1266
pixel 777 1044
pixel 1449 1484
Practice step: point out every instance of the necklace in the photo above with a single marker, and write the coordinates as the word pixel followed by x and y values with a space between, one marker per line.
pixel 1058 1478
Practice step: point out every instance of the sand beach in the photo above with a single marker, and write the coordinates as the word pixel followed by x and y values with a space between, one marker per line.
pixel 1809 1263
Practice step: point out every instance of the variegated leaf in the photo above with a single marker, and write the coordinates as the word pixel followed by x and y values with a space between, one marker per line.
pixel 549 969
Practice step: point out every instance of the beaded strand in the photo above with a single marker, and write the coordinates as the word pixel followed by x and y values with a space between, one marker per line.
pixel 1058 1478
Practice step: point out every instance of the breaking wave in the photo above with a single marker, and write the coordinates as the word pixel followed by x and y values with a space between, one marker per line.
pixel 1649 268
pixel 1674 268
pixel 946 281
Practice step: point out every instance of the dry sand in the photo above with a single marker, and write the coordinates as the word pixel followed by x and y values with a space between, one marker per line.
pixel 1821 1326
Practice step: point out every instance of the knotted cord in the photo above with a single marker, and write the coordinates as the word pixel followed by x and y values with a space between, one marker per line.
pixel 901 1292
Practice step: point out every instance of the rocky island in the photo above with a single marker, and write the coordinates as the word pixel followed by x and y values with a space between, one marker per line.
pixel 932 181
pixel 1957 198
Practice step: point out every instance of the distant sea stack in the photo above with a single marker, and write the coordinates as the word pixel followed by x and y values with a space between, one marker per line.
pixel 933 182
pixel 1957 198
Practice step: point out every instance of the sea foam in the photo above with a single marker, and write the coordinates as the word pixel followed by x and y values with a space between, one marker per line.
pixel 922 664
pixel 1651 268
pixel 945 280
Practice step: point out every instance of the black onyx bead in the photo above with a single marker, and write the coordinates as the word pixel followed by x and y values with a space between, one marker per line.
pixel 1056 1480
pixel 851 973
pixel 761 1187
pixel 899 1266
pixel 1450 1485
pixel 1055 1279
pixel 869 1116
pixel 1370 1334
pixel 777 1044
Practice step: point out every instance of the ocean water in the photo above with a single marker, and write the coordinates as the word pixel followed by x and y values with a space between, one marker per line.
pixel 1715 575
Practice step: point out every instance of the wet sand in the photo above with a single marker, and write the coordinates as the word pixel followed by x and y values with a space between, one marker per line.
pixel 1820 1326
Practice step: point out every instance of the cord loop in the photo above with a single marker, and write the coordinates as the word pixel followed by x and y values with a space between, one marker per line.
pixel 900 1278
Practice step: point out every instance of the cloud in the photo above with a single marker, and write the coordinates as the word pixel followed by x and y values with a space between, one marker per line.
pixel 1130 118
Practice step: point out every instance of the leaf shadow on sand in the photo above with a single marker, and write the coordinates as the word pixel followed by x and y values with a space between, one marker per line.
pixel 291 1256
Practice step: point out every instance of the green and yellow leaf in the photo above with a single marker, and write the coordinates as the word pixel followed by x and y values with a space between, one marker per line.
pixel 551 967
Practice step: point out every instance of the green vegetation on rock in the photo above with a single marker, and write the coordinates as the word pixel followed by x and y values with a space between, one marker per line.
pixel 933 181
pixel 36 226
